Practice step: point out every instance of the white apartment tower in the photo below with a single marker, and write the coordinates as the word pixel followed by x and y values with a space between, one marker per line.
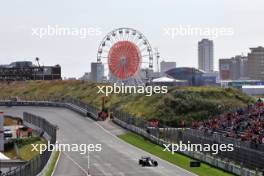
pixel 206 55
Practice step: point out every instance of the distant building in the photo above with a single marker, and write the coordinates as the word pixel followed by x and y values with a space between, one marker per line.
pixel 206 55
pixel 25 70
pixel 256 63
pixel 239 83
pixel 165 66
pixel 234 68
pixel 243 68
pixel 86 76
pixel 193 76
pixel 225 69
pixel 211 78
pixel 147 74
pixel 97 72
pixel 254 90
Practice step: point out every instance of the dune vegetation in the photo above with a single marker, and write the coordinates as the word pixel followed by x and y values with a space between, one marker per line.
pixel 179 103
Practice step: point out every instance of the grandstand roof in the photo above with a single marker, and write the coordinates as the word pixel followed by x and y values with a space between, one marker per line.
pixel 166 79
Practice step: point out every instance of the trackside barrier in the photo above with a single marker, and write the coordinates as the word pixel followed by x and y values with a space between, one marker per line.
pixel 74 105
pixel 214 161
pixel 35 165
pixel 168 135
pixel 251 158
pixel 245 154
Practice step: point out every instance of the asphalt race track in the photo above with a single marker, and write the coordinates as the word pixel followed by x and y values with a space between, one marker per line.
pixel 117 158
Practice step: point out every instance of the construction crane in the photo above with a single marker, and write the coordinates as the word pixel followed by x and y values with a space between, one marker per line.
pixel 157 54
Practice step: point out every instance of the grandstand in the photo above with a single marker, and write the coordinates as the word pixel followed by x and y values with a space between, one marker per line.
pixel 25 70
pixel 244 124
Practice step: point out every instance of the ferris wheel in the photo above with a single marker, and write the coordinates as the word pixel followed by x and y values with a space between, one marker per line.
pixel 125 51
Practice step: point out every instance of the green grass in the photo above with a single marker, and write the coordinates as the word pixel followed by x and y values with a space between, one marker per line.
pixel 10 153
pixel 179 103
pixel 177 159
pixel 26 152
pixel 52 164
pixel 24 148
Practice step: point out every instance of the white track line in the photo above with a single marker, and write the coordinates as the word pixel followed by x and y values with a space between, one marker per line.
pixel 56 164
pixel 105 130
pixel 76 163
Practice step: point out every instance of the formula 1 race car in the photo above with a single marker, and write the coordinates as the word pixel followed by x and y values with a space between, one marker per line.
pixel 147 161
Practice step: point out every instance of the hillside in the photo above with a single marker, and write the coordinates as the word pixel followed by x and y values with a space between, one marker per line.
pixel 181 102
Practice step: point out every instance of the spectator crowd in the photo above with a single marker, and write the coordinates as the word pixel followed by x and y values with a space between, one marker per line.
pixel 245 124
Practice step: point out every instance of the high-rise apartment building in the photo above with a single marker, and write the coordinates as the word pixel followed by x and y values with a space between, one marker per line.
pixel 256 63
pixel 206 55
pixel 97 71
pixel 234 68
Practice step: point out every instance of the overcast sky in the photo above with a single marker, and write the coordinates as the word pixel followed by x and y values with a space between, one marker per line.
pixel 18 19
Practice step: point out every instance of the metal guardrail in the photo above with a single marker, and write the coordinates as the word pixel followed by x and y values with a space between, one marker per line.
pixel 74 105
pixel 214 161
pixel 166 135
pixel 245 153
pixel 35 165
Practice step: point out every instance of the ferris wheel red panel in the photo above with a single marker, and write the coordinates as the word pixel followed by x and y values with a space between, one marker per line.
pixel 124 59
